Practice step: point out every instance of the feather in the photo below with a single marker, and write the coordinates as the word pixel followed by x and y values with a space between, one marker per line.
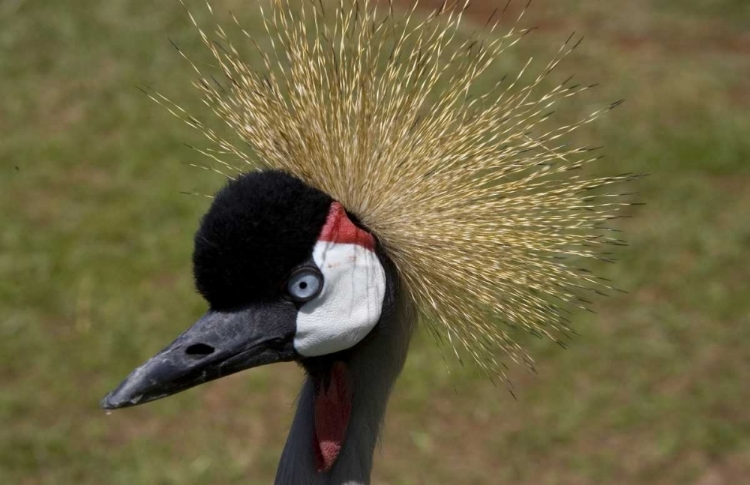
pixel 486 211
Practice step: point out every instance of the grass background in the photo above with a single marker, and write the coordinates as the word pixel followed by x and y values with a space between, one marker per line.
pixel 95 241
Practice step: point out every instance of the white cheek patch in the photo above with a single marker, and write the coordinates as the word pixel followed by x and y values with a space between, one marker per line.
pixel 350 303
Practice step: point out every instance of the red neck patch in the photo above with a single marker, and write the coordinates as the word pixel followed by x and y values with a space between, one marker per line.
pixel 333 407
pixel 340 229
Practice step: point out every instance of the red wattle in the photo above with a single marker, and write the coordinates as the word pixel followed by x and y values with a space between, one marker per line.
pixel 333 407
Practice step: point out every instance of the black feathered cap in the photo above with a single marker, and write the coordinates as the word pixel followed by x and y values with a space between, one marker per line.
pixel 259 227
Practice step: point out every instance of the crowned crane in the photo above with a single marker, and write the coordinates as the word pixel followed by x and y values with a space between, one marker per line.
pixel 377 193
pixel 289 275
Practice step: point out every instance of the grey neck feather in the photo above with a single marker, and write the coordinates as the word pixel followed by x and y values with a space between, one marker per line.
pixel 374 366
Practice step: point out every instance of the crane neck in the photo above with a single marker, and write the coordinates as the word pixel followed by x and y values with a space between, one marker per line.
pixel 372 368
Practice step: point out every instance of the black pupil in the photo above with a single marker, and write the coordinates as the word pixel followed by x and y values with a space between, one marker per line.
pixel 303 285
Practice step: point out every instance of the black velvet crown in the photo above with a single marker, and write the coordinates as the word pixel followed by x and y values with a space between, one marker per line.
pixel 259 227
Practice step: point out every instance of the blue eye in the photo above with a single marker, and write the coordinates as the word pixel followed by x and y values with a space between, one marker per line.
pixel 304 284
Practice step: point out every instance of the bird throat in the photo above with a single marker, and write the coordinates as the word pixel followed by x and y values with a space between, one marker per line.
pixel 333 407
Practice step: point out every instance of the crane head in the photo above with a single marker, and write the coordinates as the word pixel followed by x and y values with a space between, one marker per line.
pixel 288 275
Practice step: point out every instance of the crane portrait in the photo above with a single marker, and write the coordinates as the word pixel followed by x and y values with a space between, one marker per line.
pixel 337 242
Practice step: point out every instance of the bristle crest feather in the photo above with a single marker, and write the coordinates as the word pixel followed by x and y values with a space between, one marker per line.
pixel 476 201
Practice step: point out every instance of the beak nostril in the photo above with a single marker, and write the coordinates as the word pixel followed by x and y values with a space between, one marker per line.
pixel 199 350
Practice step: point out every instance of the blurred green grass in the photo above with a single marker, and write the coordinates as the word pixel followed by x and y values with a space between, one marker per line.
pixel 95 275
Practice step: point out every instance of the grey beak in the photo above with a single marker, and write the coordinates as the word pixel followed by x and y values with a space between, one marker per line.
pixel 219 344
